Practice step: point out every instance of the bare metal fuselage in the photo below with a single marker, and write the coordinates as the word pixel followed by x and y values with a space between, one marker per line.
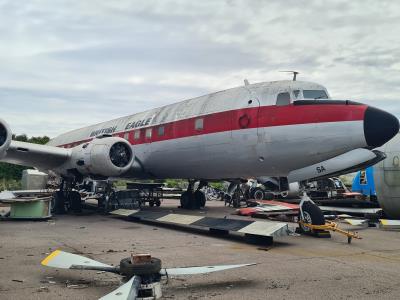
pixel 237 133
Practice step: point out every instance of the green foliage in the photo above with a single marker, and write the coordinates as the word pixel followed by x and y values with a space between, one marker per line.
pixel 10 184
pixel 217 185
pixel 175 183
pixel 11 173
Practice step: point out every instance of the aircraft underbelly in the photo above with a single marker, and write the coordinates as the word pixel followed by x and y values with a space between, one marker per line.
pixel 270 151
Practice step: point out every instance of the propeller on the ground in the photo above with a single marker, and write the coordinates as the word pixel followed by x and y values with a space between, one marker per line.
pixel 200 270
pixel 65 260
pixel 129 290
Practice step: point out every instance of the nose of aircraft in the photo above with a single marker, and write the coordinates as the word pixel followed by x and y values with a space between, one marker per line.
pixel 379 126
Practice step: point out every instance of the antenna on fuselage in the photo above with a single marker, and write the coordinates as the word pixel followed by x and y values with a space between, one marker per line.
pixel 246 82
pixel 293 72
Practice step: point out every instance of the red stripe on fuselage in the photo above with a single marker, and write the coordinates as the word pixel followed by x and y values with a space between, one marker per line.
pixel 265 116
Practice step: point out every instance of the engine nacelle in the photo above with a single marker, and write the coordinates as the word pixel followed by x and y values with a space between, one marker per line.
pixel 5 137
pixel 108 157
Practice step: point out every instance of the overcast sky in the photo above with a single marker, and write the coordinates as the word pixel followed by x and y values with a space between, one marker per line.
pixel 67 64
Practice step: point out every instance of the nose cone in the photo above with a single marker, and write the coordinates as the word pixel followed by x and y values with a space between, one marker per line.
pixel 379 127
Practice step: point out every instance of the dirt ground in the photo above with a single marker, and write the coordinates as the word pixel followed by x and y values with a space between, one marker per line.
pixel 293 268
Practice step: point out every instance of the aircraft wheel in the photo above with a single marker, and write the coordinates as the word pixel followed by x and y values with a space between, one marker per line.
pixel 128 269
pixel 75 201
pixel 312 215
pixel 58 203
pixel 158 203
pixel 186 198
pixel 200 199
pixel 258 193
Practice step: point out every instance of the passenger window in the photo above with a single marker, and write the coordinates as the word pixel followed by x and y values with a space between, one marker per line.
pixel 136 135
pixel 199 124
pixel 161 131
pixel 149 132
pixel 126 135
pixel 283 99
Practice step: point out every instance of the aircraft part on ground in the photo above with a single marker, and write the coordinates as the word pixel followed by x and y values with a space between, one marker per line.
pixel 65 260
pixel 142 273
pixel 128 290
pixel 200 270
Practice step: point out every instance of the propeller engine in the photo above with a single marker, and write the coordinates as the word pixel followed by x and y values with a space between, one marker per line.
pixel 140 273
pixel 5 137
pixel 107 156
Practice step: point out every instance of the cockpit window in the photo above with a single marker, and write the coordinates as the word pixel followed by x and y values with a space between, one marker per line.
pixel 314 94
pixel 283 99
pixel 296 93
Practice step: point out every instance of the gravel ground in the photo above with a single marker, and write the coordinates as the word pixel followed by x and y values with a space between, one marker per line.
pixel 293 268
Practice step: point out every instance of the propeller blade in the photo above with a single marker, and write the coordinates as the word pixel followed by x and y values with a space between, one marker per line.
pixel 127 291
pixel 65 260
pixel 201 270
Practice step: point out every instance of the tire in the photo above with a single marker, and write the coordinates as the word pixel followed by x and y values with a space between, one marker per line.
pixel 75 201
pixel 128 269
pixel 269 196
pixel 258 193
pixel 236 202
pixel 151 203
pixel 58 203
pixel 186 200
pixel 200 199
pixel 158 203
pixel 312 214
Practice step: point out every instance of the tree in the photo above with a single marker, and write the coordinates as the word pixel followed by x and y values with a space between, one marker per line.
pixel 14 172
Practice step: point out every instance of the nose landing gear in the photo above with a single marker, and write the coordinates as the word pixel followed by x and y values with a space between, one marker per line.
pixel 312 222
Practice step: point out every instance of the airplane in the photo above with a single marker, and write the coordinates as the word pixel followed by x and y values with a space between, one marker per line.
pixel 254 130
pixel 386 176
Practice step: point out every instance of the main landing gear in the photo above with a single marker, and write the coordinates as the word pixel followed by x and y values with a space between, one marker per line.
pixel 194 199
pixel 66 199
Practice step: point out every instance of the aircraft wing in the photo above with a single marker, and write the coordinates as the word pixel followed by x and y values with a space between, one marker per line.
pixel 103 156
pixel 42 157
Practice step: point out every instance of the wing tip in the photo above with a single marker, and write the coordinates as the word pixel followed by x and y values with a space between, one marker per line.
pixel 50 257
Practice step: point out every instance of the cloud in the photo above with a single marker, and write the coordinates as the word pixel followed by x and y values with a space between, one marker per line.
pixel 69 64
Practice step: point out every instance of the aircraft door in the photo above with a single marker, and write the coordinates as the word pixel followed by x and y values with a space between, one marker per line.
pixel 245 120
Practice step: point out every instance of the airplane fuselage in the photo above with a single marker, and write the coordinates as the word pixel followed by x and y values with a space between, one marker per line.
pixel 256 130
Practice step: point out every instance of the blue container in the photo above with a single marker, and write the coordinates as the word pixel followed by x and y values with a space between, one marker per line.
pixel 364 182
